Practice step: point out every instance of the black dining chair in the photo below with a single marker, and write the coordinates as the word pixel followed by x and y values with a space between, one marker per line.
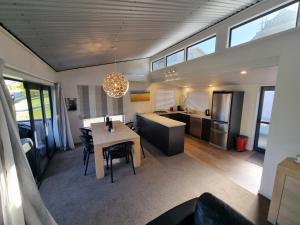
pixel 88 148
pixel 87 133
pixel 117 151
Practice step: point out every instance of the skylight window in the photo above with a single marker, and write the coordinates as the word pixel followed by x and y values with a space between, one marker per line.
pixel 276 21
pixel 175 58
pixel 158 64
pixel 202 48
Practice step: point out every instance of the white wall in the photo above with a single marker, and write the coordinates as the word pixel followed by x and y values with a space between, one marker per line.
pixel 250 106
pixel 134 70
pixel 21 62
pixel 284 137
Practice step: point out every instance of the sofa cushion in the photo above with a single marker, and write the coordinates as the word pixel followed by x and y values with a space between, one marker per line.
pixel 212 211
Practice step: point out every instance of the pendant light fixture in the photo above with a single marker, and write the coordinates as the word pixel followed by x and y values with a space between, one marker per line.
pixel 115 83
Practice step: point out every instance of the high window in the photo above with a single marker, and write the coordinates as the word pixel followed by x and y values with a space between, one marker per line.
pixel 202 48
pixel 275 21
pixel 158 64
pixel 175 58
pixel 164 99
pixel 197 101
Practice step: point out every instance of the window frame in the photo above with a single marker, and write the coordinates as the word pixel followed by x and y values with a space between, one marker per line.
pixel 258 16
pixel 173 53
pixel 199 42
pixel 164 58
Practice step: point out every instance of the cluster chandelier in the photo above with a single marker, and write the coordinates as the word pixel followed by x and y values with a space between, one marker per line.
pixel 115 84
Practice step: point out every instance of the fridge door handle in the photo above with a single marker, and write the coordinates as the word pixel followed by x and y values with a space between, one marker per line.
pixel 220 122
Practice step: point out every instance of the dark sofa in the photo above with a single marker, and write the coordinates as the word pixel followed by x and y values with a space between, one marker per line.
pixel 205 210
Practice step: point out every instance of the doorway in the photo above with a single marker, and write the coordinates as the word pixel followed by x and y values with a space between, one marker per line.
pixel 263 118
pixel 33 107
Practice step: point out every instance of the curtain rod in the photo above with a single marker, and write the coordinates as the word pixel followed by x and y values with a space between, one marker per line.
pixel 26 73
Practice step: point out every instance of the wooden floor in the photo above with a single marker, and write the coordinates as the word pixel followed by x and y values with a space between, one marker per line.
pixel 235 166
pixel 232 164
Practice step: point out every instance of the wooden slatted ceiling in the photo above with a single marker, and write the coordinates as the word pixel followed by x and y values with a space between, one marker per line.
pixel 77 33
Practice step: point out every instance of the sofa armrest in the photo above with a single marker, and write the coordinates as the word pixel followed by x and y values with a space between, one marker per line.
pixel 213 211
pixel 182 214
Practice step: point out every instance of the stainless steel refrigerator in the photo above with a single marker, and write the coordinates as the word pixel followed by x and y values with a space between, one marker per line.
pixel 226 117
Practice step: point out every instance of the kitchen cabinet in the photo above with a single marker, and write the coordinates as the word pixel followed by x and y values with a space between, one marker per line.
pixel 205 134
pixel 180 117
pixel 284 207
pixel 196 127
pixel 167 137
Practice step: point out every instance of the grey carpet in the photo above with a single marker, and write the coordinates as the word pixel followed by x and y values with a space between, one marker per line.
pixel 257 158
pixel 160 184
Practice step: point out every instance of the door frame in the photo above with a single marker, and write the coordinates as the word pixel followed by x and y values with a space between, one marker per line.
pixel 259 114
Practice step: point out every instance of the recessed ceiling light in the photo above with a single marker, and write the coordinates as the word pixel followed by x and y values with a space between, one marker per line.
pixel 210 85
pixel 244 72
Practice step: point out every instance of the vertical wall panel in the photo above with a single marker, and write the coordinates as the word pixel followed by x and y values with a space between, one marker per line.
pixel 84 101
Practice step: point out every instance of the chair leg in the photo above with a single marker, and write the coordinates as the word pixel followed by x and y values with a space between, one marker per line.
pixel 84 156
pixel 87 162
pixel 111 171
pixel 107 167
pixel 142 149
pixel 132 163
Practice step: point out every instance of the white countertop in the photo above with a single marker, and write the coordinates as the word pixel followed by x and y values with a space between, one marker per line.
pixel 190 114
pixel 162 120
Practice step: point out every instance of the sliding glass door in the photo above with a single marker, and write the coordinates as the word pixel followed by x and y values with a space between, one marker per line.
pixel 264 118
pixel 34 116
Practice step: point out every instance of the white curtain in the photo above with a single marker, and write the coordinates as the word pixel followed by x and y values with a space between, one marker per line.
pixel 20 198
pixel 61 124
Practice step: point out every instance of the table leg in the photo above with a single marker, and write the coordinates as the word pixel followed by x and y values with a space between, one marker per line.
pixel 99 161
pixel 136 152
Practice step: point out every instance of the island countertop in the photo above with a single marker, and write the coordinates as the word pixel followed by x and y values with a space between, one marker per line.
pixel 162 120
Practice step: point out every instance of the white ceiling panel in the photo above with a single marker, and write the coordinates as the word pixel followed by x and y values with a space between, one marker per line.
pixel 69 34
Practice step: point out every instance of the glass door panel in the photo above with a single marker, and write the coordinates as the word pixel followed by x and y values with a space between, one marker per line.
pixel 264 118
pixel 48 121
pixel 38 123
pixel 19 97
pixel 38 120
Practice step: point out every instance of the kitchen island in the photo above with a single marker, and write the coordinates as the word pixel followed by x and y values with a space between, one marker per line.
pixel 164 133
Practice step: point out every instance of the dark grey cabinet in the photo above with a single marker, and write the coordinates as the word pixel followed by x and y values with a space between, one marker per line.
pixel 197 127
pixel 180 117
pixel 206 124
pixel 169 140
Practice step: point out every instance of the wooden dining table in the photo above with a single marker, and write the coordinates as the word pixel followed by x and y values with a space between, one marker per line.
pixel 103 138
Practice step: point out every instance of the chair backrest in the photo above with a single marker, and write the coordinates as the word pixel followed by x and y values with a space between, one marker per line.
pixel 85 131
pixel 130 125
pixel 211 210
pixel 86 142
pixel 120 150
